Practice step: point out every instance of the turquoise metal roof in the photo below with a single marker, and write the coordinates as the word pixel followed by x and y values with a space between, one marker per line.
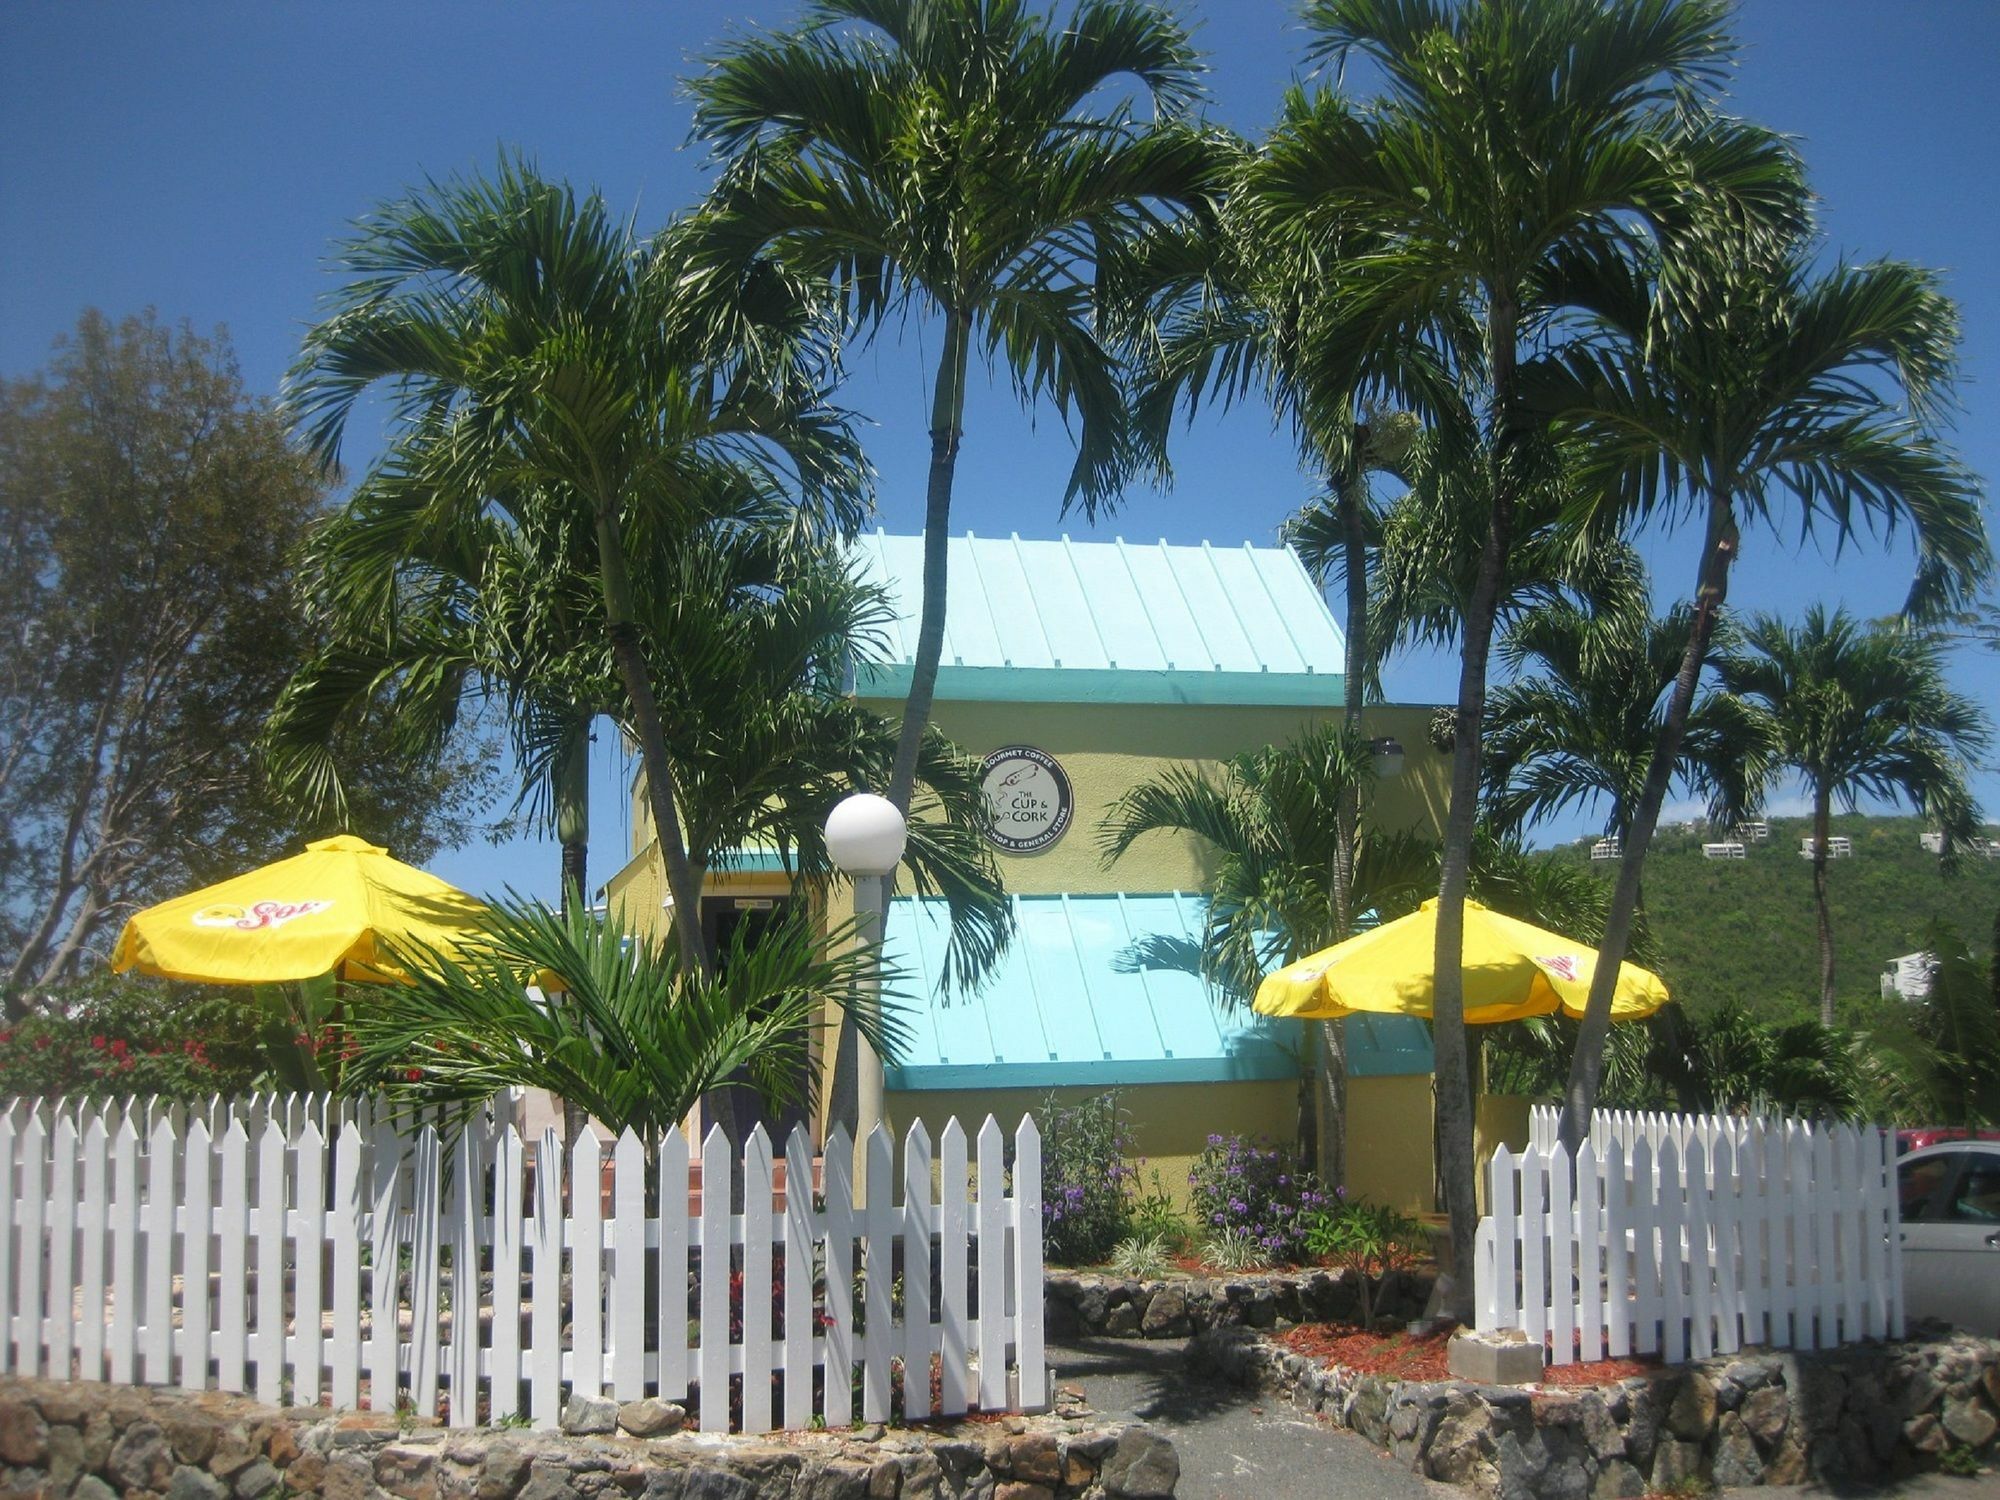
pixel 1064 622
pixel 1068 1006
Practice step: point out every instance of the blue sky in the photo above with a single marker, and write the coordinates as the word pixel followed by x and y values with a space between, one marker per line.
pixel 202 159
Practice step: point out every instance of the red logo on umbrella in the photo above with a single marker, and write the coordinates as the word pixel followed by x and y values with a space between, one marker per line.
pixel 1562 965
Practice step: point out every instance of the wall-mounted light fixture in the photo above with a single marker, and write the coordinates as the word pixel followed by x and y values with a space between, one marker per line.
pixel 1387 753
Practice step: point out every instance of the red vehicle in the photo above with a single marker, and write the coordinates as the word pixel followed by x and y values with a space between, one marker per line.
pixel 1931 1135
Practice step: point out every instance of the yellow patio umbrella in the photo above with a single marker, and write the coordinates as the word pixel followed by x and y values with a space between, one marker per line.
pixel 332 910
pixel 1511 970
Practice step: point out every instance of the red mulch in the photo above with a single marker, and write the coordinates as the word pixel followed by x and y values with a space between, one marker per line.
pixel 1402 1357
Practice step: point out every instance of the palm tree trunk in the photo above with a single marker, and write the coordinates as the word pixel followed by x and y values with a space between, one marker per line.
pixel 1822 829
pixel 1452 1077
pixel 629 655
pixel 572 808
pixel 1586 1068
pixel 1331 1111
pixel 947 417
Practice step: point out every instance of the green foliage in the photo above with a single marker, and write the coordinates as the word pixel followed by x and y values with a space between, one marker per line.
pixel 1368 1239
pixel 1157 1215
pixel 1233 1250
pixel 150 512
pixel 1257 1194
pixel 1084 1178
pixel 1960 1460
pixel 1743 930
pixel 1142 1257
pixel 116 1036
pixel 635 1035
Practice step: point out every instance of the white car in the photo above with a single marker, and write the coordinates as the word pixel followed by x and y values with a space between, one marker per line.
pixel 1950 1194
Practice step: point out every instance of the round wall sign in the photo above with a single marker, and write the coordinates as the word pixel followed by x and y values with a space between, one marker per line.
pixel 1028 803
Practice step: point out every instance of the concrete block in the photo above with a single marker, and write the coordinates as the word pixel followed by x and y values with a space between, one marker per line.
pixel 1494 1358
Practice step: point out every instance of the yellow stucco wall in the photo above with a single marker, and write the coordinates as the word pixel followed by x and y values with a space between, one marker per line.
pixel 1389 1139
pixel 1169 1122
pixel 1107 748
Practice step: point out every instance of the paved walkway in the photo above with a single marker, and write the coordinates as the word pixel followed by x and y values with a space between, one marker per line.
pixel 1238 1445
pixel 1233 1443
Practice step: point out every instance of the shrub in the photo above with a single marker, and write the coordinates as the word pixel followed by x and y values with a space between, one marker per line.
pixel 1084 1179
pixel 1257 1193
pixel 113 1036
pixel 1141 1257
pixel 1156 1216
pixel 1368 1239
pixel 1231 1251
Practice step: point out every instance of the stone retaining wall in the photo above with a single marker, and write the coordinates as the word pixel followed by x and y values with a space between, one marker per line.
pixel 1088 1304
pixel 1862 1413
pixel 97 1442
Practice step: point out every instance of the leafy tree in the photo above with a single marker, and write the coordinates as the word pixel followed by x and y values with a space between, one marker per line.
pixel 1859 710
pixel 1512 137
pixel 1937 1060
pixel 641 1033
pixel 544 360
pixel 1738 383
pixel 119 1036
pixel 149 513
pixel 1577 725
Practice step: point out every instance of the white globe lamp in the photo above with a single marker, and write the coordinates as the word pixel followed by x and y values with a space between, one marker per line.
pixel 865 835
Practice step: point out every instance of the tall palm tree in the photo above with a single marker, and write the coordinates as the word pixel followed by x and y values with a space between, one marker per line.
pixel 555 363
pixel 980 164
pixel 1576 727
pixel 1860 710
pixel 1225 313
pixel 1741 384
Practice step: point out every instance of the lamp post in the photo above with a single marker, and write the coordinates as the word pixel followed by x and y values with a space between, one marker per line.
pixel 865 837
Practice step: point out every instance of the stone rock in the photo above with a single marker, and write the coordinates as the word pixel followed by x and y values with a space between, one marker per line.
pixel 1967 1419
pixel 258 1480
pixel 652 1417
pixel 305 1472
pixel 1737 1462
pixel 584 1416
pixel 191 1437
pixel 1925 1434
pixel 1692 1416
pixel 1989 1379
pixel 65 1459
pixel 503 1471
pixel 1143 1466
pixel 1675 1464
pixel 231 1455
pixel 1122 1321
pixel 1750 1374
pixel 405 1469
pixel 1765 1414
pixel 885 1480
pixel 1166 1315
pixel 1618 1480
pixel 90 1487
pixel 1035 1457
pixel 190 1483
pixel 1091 1307
pixel 24 1436
pixel 64 1405
pixel 349 1476
pixel 1462 1446
pixel 548 1482
pixel 1015 1491
pixel 282 1446
pixel 923 1479
pixel 141 1460
pixel 835 1480
pixel 1521 1459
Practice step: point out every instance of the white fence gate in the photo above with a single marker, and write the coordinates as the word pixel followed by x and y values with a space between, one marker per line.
pixel 237 1248
pixel 1691 1236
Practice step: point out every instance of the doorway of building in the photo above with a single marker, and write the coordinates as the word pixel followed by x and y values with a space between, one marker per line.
pixel 727 921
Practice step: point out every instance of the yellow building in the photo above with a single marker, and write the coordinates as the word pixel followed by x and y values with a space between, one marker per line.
pixel 1077 670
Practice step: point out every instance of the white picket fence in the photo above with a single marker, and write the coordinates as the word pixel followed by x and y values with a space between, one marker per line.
pixel 1692 1236
pixel 141 1244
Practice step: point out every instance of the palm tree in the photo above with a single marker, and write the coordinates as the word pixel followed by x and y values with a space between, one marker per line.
pixel 642 1033
pixel 552 362
pixel 974 162
pixel 1578 730
pixel 1859 710
pixel 1742 383
pixel 424 625
pixel 1512 136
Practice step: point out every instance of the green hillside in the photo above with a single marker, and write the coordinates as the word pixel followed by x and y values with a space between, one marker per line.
pixel 1744 929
